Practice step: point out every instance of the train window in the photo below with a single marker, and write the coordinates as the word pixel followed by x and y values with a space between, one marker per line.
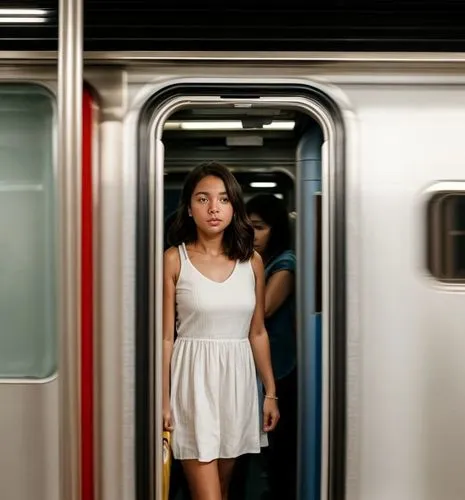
pixel 27 225
pixel 446 236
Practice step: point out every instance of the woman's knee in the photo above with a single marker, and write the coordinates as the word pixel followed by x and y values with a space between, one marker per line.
pixel 203 479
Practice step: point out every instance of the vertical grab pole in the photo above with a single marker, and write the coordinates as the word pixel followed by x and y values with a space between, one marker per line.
pixel 309 348
pixel 69 183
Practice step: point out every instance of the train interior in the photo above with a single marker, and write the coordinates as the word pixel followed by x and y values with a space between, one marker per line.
pixel 265 148
pixel 258 145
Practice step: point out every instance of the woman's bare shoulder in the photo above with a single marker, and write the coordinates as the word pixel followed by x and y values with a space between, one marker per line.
pixel 171 261
pixel 257 263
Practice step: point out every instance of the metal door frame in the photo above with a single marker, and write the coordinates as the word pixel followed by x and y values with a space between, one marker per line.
pixel 331 281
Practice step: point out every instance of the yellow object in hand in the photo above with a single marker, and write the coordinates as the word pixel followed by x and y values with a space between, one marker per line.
pixel 166 463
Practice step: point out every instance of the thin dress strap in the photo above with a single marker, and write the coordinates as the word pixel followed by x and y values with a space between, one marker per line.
pixel 184 250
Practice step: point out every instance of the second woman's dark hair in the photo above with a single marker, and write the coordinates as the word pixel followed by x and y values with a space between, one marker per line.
pixel 238 236
pixel 273 212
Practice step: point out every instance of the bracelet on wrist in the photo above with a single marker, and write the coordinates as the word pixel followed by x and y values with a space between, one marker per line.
pixel 271 397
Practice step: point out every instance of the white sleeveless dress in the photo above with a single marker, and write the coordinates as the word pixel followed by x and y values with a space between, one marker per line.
pixel 214 398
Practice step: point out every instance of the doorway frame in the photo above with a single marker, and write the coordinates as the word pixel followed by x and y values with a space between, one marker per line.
pixel 318 106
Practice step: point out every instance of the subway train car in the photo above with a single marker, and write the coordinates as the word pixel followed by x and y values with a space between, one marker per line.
pixel 354 115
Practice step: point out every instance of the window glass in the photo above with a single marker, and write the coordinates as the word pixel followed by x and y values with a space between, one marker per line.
pixel 27 226
pixel 446 236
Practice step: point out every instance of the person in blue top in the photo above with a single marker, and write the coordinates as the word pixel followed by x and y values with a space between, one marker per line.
pixel 272 241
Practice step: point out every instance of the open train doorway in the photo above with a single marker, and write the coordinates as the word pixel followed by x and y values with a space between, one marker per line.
pixel 276 151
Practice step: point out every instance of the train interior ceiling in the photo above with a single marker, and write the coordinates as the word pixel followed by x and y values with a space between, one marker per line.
pixel 259 145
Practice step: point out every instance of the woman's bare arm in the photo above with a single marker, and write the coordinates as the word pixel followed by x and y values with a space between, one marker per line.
pixel 170 273
pixel 278 289
pixel 258 335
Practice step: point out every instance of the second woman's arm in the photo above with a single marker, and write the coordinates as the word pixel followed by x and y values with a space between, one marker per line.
pixel 278 289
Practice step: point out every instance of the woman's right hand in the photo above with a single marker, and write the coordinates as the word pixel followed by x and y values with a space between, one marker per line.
pixel 167 419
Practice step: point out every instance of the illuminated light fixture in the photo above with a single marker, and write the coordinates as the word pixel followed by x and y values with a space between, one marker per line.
pixel 23 12
pixel 263 184
pixel 20 20
pixel 18 16
pixel 226 125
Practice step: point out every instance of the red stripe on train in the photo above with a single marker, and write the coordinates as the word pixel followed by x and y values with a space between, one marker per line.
pixel 87 354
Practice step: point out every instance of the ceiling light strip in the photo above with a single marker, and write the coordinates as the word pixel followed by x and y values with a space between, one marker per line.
pixel 226 125
pixel 263 184
pixel 22 20
pixel 23 12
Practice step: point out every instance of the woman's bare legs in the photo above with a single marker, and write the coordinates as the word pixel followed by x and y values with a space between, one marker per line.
pixel 225 469
pixel 203 479
pixel 209 480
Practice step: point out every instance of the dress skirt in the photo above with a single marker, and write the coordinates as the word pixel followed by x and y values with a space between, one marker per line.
pixel 214 399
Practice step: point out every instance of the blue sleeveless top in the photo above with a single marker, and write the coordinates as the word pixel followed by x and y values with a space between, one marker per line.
pixel 281 325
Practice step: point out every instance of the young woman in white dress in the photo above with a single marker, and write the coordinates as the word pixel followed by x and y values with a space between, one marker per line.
pixel 214 299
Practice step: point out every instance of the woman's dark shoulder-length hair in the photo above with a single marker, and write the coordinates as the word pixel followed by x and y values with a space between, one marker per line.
pixel 238 236
pixel 274 213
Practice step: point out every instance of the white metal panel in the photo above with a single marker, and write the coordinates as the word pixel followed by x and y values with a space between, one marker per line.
pixel 411 342
pixel 129 203
pixel 29 441
pixel 112 356
pixel 110 296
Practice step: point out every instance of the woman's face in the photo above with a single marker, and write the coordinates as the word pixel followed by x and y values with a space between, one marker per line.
pixel 262 233
pixel 210 207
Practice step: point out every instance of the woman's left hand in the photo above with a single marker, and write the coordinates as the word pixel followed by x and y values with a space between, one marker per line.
pixel 270 414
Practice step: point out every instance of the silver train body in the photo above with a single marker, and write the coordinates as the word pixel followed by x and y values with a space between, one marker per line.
pixel 393 140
